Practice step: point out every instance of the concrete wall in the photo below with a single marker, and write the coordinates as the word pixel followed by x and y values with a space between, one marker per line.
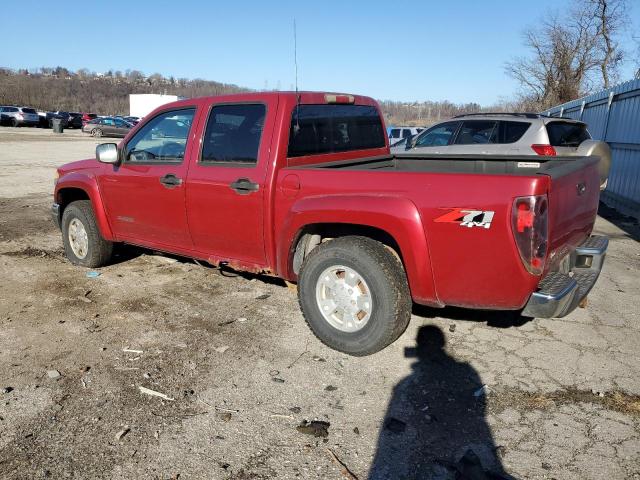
pixel 613 115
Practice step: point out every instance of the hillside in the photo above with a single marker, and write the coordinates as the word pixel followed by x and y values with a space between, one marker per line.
pixel 108 94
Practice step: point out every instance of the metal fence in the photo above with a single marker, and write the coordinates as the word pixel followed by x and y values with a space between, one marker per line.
pixel 613 115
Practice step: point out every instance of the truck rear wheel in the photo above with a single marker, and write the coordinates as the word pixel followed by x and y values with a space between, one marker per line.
pixel 354 295
pixel 83 244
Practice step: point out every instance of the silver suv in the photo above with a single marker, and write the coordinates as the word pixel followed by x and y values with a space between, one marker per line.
pixel 509 134
pixel 18 116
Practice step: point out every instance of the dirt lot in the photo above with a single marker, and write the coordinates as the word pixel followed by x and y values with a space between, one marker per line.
pixel 242 370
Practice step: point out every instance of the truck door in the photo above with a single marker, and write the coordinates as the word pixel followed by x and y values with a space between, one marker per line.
pixel 145 194
pixel 226 186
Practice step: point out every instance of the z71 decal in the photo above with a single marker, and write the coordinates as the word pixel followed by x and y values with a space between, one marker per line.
pixel 467 217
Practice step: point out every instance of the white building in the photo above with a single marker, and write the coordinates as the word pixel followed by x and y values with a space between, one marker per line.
pixel 141 104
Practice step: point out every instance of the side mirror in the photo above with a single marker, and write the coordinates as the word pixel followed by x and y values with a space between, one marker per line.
pixel 107 153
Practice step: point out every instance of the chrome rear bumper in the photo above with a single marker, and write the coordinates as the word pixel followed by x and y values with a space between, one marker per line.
pixel 560 293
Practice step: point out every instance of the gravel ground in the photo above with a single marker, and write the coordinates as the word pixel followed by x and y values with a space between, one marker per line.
pixel 241 372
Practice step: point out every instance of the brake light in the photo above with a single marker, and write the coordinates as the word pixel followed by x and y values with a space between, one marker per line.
pixel 530 230
pixel 335 98
pixel 545 150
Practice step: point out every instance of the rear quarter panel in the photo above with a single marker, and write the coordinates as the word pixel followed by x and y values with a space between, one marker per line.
pixel 465 266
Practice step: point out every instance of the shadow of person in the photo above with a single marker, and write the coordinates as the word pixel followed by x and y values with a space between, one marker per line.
pixel 435 425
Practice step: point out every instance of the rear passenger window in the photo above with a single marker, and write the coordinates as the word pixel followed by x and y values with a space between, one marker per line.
pixel 319 129
pixel 395 133
pixel 477 131
pixel 513 131
pixel 233 134
pixel 406 133
pixel 566 134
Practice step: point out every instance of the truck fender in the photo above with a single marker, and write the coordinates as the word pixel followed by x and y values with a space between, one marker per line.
pixel 88 184
pixel 398 217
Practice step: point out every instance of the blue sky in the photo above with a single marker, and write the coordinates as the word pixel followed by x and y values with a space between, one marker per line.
pixel 413 50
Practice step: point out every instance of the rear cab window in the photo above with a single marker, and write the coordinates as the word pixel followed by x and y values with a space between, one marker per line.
pixel 567 134
pixel 324 129
pixel 29 110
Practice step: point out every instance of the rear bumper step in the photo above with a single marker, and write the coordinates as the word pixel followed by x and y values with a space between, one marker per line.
pixel 560 293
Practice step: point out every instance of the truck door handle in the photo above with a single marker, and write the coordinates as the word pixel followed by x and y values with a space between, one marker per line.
pixel 244 186
pixel 170 180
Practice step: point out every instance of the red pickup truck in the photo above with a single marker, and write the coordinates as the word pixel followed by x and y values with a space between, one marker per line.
pixel 302 186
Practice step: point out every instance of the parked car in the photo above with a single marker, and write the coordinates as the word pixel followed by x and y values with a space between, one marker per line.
pixel 398 134
pixel 107 127
pixel 510 134
pixel 20 116
pixel 5 120
pixel 132 120
pixel 87 117
pixel 72 119
pixel 302 186
pixel 46 119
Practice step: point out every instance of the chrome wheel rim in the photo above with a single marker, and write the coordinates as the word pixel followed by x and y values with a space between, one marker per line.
pixel 344 298
pixel 78 239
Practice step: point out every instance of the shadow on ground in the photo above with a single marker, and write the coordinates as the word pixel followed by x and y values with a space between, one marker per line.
pixel 435 423
pixel 629 225
pixel 493 318
pixel 124 253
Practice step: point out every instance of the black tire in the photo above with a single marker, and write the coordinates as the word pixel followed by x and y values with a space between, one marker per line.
pixel 15 123
pixel 99 250
pixel 383 273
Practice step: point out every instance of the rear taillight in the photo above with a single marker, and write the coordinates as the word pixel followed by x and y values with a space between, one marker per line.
pixel 545 150
pixel 529 221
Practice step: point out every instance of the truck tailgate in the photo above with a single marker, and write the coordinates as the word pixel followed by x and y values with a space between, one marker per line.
pixel 574 193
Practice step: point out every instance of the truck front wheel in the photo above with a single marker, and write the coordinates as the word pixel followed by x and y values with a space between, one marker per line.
pixel 83 244
pixel 354 295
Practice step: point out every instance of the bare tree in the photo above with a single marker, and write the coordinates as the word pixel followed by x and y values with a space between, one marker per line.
pixel 569 53
pixel 611 21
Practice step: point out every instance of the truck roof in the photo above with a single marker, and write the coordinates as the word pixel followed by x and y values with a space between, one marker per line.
pixel 304 97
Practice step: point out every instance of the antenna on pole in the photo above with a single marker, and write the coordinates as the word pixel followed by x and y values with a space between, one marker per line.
pixel 295 62
pixel 295 51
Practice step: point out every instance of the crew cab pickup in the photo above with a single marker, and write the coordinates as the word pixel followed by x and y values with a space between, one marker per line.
pixel 303 186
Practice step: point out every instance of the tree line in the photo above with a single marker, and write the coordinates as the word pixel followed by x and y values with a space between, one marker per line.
pixel 59 88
